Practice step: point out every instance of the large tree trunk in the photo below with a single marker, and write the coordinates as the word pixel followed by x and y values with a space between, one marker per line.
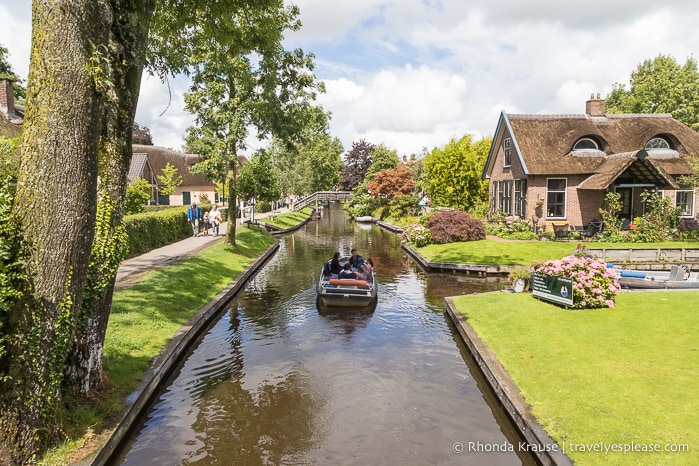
pixel 55 208
pixel 127 56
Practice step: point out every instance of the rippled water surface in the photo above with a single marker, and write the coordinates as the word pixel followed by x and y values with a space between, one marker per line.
pixel 278 381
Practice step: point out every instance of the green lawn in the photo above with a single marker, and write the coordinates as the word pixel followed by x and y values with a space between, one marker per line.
pixel 610 377
pixel 289 219
pixel 143 318
pixel 489 252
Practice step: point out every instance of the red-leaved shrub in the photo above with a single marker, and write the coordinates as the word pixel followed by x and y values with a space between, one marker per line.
pixel 455 225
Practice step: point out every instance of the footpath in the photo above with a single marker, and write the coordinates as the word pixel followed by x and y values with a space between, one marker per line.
pixel 131 270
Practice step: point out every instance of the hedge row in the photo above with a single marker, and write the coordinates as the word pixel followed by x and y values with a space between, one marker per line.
pixel 155 229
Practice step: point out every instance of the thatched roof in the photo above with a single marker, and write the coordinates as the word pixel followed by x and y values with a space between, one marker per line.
pixel 159 157
pixel 544 143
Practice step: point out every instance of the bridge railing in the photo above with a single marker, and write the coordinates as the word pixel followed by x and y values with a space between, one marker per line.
pixel 322 197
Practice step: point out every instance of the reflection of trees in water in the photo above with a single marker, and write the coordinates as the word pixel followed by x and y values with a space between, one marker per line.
pixel 273 424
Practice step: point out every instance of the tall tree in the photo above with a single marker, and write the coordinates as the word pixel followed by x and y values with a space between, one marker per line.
pixel 244 80
pixel 55 209
pixel 660 85
pixel 453 173
pixel 257 180
pixel 357 163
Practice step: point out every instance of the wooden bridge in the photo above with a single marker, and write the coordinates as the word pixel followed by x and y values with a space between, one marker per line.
pixel 322 197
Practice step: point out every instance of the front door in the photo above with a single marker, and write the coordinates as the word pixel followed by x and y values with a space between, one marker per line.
pixel 626 205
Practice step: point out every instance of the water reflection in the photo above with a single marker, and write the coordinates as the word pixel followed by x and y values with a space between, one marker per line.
pixel 278 381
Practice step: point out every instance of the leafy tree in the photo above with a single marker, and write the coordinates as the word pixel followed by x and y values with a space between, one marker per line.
pixel 6 72
pixel 256 179
pixel 170 180
pixel 388 184
pixel 137 194
pixel 357 163
pixel 382 158
pixel 660 85
pixel 453 173
pixel 311 164
pixel 245 80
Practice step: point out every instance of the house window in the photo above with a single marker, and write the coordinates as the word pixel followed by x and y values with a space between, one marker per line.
pixel 685 199
pixel 508 152
pixel 505 197
pixel 658 143
pixel 556 198
pixel 494 197
pixel 585 144
pixel 520 197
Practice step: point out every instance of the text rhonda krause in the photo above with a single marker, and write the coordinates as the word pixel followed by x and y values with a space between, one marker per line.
pixel 599 447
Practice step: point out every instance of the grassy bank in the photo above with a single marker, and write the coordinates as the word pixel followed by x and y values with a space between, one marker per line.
pixel 622 377
pixel 489 252
pixel 143 318
pixel 289 219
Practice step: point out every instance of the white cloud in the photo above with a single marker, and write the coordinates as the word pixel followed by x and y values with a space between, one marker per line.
pixel 417 73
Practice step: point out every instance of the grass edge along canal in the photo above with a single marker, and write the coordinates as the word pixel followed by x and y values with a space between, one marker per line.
pixel 606 380
pixel 144 317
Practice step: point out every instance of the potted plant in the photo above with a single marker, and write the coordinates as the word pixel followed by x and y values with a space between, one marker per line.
pixel 520 276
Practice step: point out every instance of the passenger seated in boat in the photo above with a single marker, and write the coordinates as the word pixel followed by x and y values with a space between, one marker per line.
pixel 347 272
pixel 335 266
pixel 356 260
pixel 365 271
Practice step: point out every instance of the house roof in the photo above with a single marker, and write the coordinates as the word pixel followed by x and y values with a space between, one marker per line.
pixel 639 166
pixel 159 157
pixel 544 143
pixel 138 162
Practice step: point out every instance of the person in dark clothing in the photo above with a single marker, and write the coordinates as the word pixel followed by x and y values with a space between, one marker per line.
pixel 347 272
pixel 335 266
pixel 356 261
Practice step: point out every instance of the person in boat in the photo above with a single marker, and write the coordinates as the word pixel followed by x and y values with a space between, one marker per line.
pixel 335 266
pixel 366 270
pixel 356 261
pixel 347 272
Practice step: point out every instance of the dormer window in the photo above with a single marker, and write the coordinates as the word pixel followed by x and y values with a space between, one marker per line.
pixel 586 144
pixel 508 152
pixel 658 142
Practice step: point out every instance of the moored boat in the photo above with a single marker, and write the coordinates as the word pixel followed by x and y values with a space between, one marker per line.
pixel 677 278
pixel 364 219
pixel 343 292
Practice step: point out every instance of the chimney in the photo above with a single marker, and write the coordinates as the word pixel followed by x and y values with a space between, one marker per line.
pixel 7 98
pixel 594 106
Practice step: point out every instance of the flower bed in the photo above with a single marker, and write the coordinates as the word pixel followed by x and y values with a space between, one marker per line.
pixel 594 285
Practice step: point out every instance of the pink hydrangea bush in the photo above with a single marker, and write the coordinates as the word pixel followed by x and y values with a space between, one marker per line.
pixel 417 235
pixel 594 285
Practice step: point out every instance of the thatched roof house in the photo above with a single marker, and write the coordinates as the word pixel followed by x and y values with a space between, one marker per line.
pixel 557 168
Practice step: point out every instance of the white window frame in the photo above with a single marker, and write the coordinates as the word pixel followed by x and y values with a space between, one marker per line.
pixel 565 198
pixel 507 145
pixel 690 203
pixel 520 196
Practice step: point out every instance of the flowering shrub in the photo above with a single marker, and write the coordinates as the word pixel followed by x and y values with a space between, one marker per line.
pixel 594 285
pixel 510 227
pixel 417 234
pixel 455 225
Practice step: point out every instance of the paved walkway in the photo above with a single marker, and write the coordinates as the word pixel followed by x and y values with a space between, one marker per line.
pixel 132 269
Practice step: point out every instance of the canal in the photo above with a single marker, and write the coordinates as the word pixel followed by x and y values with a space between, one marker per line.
pixel 276 381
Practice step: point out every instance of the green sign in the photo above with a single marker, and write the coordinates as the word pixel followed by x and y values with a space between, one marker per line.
pixel 551 288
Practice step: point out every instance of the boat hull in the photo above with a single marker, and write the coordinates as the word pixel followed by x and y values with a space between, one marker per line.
pixel 334 292
pixel 676 279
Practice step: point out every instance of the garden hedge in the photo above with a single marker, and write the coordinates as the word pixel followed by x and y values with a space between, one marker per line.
pixel 157 228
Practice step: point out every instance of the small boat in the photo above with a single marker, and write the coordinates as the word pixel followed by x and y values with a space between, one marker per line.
pixel 343 292
pixel 679 277
pixel 364 219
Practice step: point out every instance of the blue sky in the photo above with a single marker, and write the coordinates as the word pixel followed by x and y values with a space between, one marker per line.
pixel 414 74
